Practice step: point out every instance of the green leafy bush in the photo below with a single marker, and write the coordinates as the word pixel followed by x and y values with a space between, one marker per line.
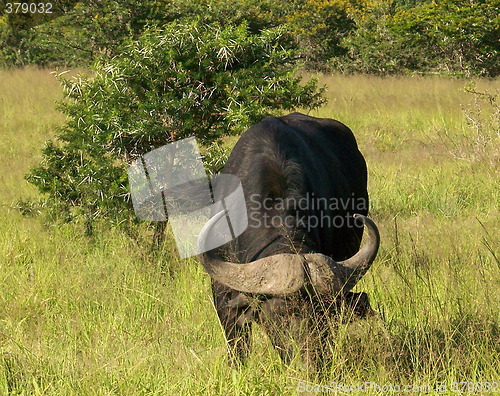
pixel 320 26
pixel 77 32
pixel 179 81
pixel 455 37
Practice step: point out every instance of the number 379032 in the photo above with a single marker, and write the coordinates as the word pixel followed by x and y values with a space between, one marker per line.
pixel 28 8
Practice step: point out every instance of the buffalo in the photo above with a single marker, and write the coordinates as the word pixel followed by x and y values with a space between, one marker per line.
pixel 293 268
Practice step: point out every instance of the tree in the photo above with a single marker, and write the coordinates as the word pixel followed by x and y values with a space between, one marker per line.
pixel 320 26
pixel 182 80
pixel 457 37
pixel 76 32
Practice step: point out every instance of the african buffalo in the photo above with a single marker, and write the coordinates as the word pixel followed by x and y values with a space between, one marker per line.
pixel 305 187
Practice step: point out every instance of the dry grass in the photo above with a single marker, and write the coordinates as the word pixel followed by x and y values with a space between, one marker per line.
pixel 105 316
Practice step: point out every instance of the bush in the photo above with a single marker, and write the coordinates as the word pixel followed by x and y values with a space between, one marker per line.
pixel 78 32
pixel 320 27
pixel 179 81
pixel 455 37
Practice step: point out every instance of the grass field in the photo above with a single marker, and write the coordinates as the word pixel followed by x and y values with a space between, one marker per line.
pixel 105 316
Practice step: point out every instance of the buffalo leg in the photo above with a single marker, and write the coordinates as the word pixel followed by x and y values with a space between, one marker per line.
pixel 280 325
pixel 234 316
pixel 296 324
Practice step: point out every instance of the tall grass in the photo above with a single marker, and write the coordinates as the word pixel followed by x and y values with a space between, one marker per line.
pixel 107 316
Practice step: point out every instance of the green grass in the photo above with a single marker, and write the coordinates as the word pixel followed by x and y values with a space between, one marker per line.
pixel 106 316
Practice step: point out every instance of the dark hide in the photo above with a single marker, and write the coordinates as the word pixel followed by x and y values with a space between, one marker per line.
pixel 286 159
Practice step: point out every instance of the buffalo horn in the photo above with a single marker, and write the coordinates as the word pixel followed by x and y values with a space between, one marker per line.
pixel 277 275
pixel 287 273
pixel 326 274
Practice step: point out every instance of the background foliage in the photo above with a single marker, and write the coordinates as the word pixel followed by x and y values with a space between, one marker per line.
pixel 453 37
pixel 458 37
